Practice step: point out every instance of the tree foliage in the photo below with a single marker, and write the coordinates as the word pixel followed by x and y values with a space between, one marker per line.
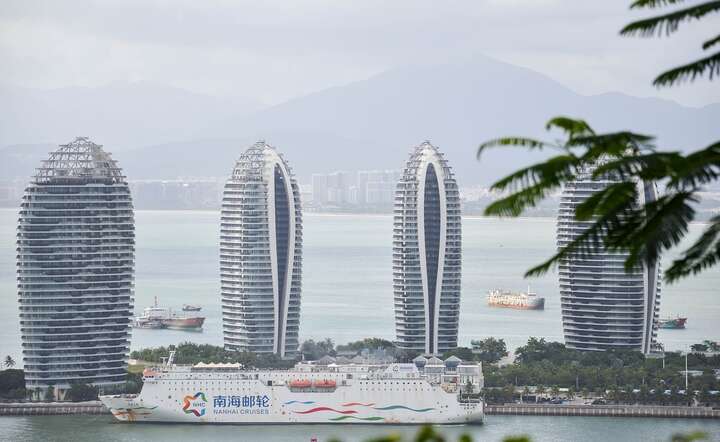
pixel 82 392
pixel 464 353
pixel 312 351
pixel 618 220
pixel 490 350
pixel 12 384
pixel 627 376
pixel 668 24
pixel 191 353
pixel 9 362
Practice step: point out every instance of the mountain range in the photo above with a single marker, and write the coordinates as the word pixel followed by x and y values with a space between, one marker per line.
pixel 160 132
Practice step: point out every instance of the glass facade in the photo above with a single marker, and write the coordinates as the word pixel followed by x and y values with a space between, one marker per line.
pixel 604 307
pixel 75 269
pixel 427 254
pixel 261 255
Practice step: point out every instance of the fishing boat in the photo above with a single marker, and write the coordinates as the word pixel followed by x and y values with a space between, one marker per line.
pixel 191 308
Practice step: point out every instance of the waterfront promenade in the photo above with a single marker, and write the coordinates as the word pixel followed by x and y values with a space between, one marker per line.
pixel 96 407
pixel 52 408
pixel 603 410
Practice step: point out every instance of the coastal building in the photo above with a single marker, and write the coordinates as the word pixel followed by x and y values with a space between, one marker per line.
pixel 75 267
pixel 261 254
pixel 426 254
pixel 603 306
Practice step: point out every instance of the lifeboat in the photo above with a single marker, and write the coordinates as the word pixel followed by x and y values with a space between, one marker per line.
pixel 300 384
pixel 325 383
pixel 149 373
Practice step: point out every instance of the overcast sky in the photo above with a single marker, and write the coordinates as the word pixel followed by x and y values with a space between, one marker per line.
pixel 274 50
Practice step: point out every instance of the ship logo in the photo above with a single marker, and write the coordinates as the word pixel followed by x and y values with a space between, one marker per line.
pixel 195 404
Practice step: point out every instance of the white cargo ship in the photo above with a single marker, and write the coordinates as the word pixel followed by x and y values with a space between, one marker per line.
pixel 434 392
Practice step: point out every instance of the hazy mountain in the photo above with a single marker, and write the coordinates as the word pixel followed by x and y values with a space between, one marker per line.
pixel 374 123
pixel 118 115
pixel 456 107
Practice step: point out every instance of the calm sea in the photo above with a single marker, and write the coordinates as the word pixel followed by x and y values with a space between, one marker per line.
pixel 541 428
pixel 347 279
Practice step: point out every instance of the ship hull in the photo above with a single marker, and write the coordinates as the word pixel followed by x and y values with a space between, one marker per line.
pixel 676 323
pixel 184 323
pixel 538 305
pixel 253 402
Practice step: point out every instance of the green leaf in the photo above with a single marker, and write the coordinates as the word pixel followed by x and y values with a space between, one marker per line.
pixel 690 71
pixel 532 184
pixel 572 127
pixel 512 141
pixel 653 3
pixel 710 43
pixel 703 254
pixel 670 22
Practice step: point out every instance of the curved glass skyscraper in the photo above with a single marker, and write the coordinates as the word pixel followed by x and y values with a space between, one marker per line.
pixel 75 264
pixel 261 254
pixel 426 254
pixel 603 307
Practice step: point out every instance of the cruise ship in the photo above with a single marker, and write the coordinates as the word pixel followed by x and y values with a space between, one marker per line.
pixel 427 391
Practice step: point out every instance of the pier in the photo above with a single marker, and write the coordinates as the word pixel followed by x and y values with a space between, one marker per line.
pixel 52 408
pixel 602 410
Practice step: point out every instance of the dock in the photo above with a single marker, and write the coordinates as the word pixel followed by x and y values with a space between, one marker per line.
pixel 52 408
pixel 603 410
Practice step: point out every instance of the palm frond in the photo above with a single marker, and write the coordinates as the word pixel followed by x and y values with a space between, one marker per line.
pixel 696 169
pixel 589 242
pixel 614 198
pixel 710 43
pixel 652 166
pixel 572 127
pixel 704 253
pixel 648 230
pixel 513 141
pixel 615 144
pixel 669 22
pixel 690 71
pixel 653 3
pixel 531 184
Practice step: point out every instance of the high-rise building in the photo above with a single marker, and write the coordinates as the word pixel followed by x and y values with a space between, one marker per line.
pixel 261 254
pixel 426 254
pixel 75 265
pixel 319 188
pixel 603 306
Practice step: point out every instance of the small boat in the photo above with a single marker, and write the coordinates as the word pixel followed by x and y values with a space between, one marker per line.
pixel 191 308
pixel 672 323
pixel 300 383
pixel 324 384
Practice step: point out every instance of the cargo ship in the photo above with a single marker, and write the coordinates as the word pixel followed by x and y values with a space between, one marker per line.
pixel 163 317
pixel 672 323
pixel 517 300
pixel 434 393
